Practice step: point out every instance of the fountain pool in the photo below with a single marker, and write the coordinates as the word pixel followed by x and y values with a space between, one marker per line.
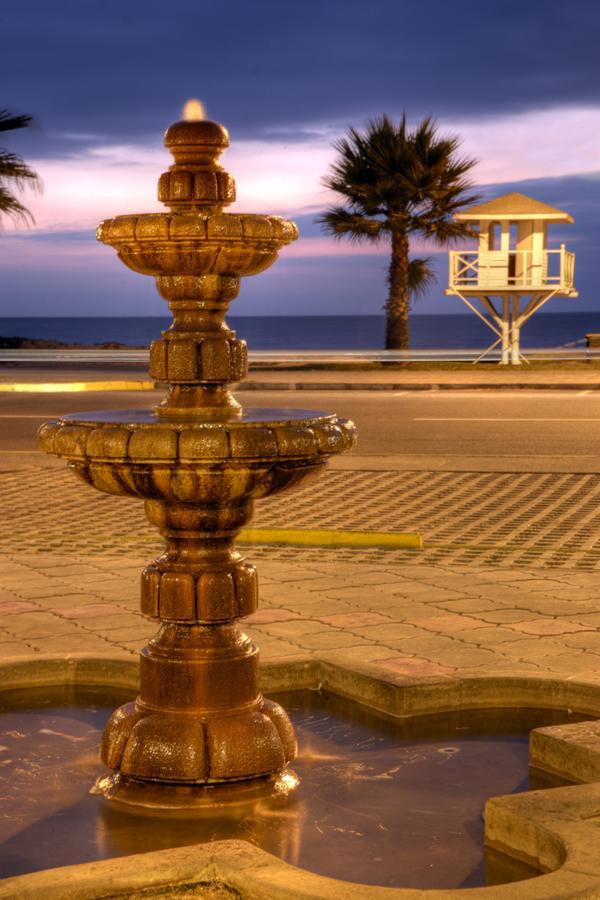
pixel 395 803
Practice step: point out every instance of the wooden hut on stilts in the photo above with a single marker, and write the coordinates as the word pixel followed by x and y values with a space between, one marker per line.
pixel 513 273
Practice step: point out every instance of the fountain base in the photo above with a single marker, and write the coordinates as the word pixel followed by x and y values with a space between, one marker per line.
pixel 200 717
pixel 230 797
pixel 179 750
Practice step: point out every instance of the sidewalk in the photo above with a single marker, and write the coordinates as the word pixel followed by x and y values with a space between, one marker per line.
pixel 71 562
pixel 420 376
pixel 413 376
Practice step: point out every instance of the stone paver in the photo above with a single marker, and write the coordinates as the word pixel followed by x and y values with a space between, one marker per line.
pixel 383 623
pixel 546 522
pixel 71 561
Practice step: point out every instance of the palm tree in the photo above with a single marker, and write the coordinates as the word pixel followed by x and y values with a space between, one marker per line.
pixel 397 182
pixel 14 172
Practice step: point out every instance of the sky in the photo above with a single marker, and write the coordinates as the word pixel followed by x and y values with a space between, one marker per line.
pixel 517 80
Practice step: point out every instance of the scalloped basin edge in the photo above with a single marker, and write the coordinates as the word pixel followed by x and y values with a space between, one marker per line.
pixel 555 830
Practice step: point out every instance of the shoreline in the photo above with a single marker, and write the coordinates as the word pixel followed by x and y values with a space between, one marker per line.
pixel 25 343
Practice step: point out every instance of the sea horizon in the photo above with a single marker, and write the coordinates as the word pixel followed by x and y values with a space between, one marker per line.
pixel 458 313
pixel 314 332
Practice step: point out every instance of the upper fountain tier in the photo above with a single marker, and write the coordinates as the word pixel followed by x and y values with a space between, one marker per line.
pixel 197 443
pixel 197 253
pixel 196 237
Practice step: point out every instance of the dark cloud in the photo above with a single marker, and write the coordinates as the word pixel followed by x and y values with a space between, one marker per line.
pixel 117 70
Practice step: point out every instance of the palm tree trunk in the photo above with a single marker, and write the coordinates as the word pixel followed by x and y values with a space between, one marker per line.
pixel 396 307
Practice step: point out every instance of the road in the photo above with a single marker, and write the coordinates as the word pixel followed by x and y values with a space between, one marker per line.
pixel 544 431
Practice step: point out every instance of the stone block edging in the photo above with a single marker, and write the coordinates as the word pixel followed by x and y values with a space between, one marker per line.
pixel 556 830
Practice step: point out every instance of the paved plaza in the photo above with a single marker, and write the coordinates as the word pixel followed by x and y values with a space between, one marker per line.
pixel 507 581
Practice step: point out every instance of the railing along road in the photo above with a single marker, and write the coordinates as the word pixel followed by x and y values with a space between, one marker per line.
pixel 281 358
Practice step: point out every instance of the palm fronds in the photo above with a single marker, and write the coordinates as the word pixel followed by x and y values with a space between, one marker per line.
pixel 15 173
pixel 341 222
pixel 421 276
pixel 413 177
pixel 396 181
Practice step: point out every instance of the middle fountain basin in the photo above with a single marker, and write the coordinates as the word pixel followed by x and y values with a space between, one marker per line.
pixel 140 453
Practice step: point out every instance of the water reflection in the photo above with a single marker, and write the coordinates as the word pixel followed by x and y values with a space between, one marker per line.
pixel 380 802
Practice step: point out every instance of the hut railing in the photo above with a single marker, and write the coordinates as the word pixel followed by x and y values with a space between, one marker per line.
pixel 512 269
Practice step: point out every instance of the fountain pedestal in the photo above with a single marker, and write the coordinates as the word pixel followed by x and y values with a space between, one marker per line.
pixel 199 461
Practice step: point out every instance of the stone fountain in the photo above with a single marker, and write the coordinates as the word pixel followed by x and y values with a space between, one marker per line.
pixel 199 461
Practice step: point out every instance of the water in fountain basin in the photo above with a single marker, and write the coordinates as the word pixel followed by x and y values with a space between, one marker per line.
pixel 380 802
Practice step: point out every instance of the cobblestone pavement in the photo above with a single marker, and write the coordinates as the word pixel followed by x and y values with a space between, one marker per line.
pixel 71 559
pixel 467 518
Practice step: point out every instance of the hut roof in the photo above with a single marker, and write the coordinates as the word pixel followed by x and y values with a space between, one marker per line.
pixel 514 207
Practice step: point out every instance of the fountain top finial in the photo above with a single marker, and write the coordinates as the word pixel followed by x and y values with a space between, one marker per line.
pixel 196 180
pixel 193 137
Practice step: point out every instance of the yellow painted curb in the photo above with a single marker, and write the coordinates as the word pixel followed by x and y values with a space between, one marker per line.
pixel 57 387
pixel 317 537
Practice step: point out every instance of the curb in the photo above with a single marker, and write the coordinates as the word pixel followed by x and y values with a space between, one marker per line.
pixel 81 386
pixel 412 386
pixel 69 387
pixel 318 537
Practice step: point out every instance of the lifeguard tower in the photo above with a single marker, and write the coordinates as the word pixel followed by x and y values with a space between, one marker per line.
pixel 512 274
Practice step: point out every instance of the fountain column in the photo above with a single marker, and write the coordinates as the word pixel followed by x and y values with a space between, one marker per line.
pixel 199 461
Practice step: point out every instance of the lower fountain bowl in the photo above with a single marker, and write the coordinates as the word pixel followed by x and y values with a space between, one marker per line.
pixel 141 454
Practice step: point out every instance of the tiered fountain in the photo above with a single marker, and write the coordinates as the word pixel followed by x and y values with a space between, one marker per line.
pixel 199 461
pixel 200 734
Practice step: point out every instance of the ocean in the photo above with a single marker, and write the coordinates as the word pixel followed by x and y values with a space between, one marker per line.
pixel 544 330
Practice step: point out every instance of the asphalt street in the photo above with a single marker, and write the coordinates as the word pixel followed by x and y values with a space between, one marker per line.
pixel 543 431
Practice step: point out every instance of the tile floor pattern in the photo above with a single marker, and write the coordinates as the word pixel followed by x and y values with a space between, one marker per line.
pixel 412 619
pixel 466 518
pixel 503 588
